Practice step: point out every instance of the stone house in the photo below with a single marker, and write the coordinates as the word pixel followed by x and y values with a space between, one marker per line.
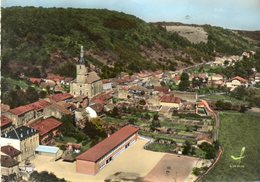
pixel 171 101
pixel 6 124
pixel 56 110
pixel 24 139
pixel 47 128
pixel 8 165
pixel 23 115
pixel 236 82
pixel 9 150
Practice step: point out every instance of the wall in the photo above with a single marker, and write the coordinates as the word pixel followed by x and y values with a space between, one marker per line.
pixel 28 146
pixel 8 171
pixel 86 167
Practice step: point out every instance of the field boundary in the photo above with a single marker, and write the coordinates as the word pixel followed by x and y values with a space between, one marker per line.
pixel 211 166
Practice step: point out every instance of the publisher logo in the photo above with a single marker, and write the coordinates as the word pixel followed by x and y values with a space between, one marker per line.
pixel 238 159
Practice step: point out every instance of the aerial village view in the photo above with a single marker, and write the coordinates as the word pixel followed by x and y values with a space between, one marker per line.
pixel 133 91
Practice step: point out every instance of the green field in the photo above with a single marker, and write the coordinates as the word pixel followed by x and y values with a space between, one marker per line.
pixel 224 98
pixel 237 131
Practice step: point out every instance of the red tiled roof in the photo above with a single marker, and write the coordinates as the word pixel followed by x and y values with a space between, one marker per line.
pixel 170 99
pixel 162 89
pixel 240 79
pixel 102 98
pixel 5 120
pixel 35 80
pixel 45 126
pixel 108 144
pixel 10 151
pixel 55 78
pixel 60 97
pixel 39 105
pixel 104 81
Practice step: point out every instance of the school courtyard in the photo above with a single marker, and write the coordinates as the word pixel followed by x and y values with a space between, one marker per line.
pixel 134 163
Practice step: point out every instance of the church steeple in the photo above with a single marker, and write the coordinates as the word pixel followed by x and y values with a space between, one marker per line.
pixel 81 60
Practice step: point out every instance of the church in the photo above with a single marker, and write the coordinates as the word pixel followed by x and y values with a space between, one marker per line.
pixel 87 83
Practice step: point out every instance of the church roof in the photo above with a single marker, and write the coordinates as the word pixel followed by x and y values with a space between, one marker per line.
pixel 92 77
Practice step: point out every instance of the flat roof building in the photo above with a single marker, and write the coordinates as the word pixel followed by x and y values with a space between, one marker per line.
pixel 97 157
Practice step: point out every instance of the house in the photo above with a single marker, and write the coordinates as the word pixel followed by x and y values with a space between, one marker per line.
pixel 6 124
pixel 236 82
pixel 176 79
pixel 56 110
pixel 35 81
pixel 171 101
pixel 79 101
pixel 107 84
pixel 100 155
pixel 47 128
pixel 59 97
pixel 12 152
pixel 161 89
pixel 8 165
pixel 24 139
pixel 216 80
pixel 86 83
pixel 257 77
pixel 54 78
pixel 26 114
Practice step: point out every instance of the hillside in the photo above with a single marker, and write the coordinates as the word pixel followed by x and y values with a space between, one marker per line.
pixel 40 40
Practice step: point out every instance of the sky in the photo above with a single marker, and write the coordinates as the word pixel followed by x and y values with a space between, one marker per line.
pixel 233 14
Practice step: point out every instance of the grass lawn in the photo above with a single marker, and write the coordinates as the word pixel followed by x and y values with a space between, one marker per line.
pixel 236 131
pixel 224 98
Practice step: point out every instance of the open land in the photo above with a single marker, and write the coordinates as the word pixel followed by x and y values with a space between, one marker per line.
pixel 236 131
pixel 193 34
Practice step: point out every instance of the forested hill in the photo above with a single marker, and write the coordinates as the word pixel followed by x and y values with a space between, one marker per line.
pixel 40 40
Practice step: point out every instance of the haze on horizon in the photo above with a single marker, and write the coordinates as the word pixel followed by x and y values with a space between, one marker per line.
pixel 232 14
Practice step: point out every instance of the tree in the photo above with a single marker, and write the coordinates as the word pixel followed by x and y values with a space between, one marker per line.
pixel 184 83
pixel 155 124
pixel 45 176
pixel 209 149
pixel 94 129
pixel 67 126
pixel 187 148
pixel 42 94
pixel 35 73
pixel 32 95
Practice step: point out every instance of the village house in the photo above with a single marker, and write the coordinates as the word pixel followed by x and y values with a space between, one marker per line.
pixel 107 84
pixel 12 152
pixel 86 83
pixel 226 61
pixel 36 81
pixel 24 139
pixel 236 82
pixel 23 115
pixel 6 124
pixel 8 165
pixel 55 79
pixel 59 97
pixel 97 157
pixel 257 77
pixel 56 110
pixel 216 80
pixel 79 101
pixel 171 101
pixel 47 128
